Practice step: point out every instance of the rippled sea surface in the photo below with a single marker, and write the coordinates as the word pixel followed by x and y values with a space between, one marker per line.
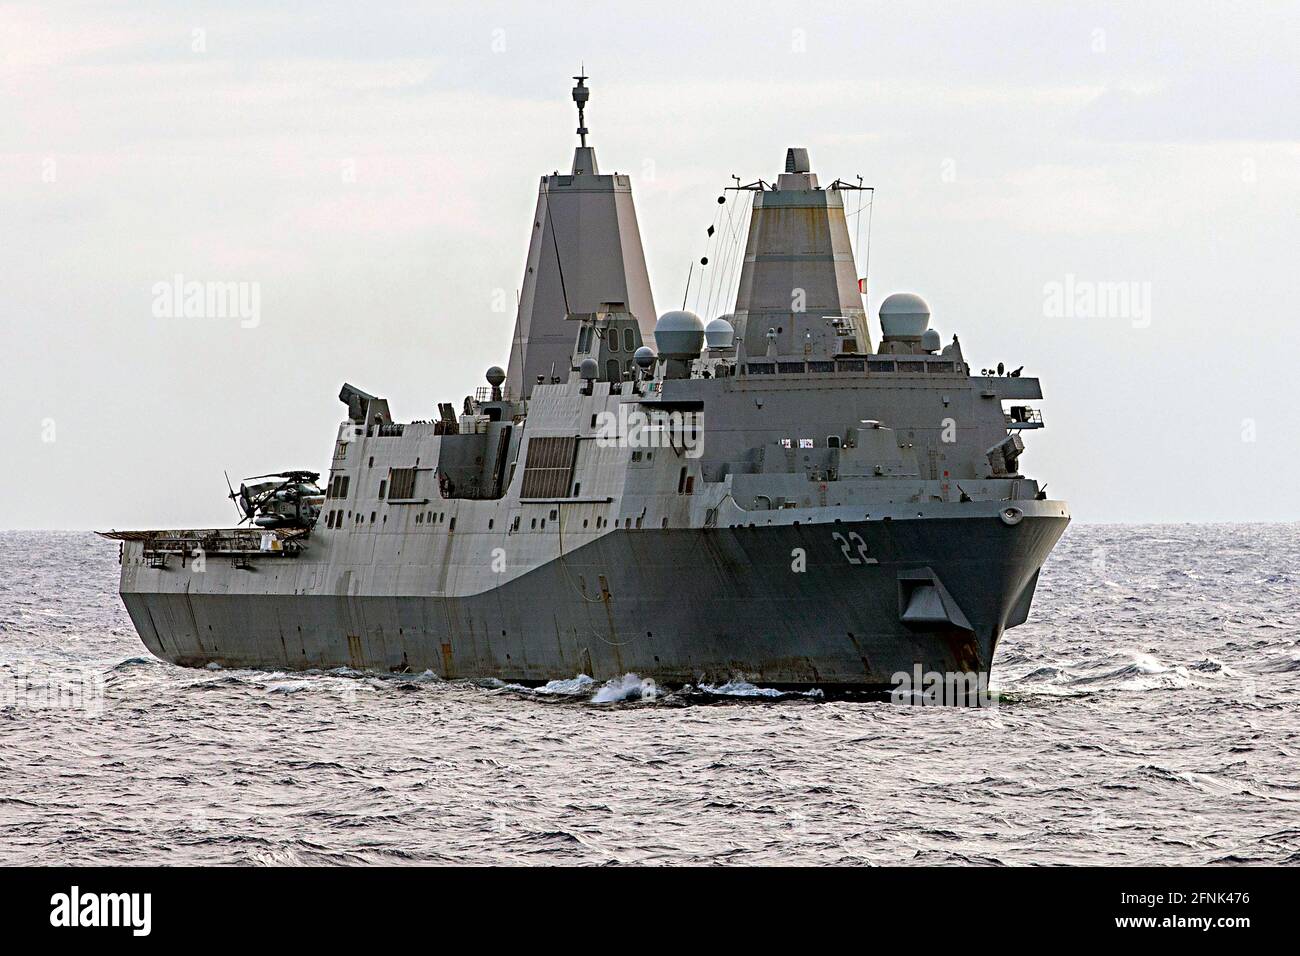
pixel 1147 713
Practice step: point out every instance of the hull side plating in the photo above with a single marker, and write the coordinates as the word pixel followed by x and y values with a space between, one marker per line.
pixel 678 606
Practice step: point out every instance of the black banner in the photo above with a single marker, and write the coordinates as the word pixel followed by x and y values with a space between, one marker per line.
pixel 950 906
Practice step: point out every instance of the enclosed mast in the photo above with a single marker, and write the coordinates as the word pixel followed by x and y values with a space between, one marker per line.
pixel 799 271
pixel 585 251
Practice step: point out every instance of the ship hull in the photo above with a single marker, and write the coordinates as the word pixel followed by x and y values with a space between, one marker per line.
pixel 791 606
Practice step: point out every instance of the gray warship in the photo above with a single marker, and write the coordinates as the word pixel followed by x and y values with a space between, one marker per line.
pixel 766 496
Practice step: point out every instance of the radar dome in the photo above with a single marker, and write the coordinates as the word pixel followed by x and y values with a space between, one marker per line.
pixel 644 358
pixel 930 340
pixel 588 370
pixel 904 315
pixel 495 376
pixel 719 334
pixel 679 334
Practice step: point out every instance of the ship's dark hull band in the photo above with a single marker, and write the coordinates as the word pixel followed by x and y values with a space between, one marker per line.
pixel 786 606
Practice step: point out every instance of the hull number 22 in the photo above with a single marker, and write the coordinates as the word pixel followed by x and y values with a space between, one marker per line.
pixel 853 548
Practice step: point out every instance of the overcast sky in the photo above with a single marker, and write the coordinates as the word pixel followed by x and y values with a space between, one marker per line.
pixel 372 174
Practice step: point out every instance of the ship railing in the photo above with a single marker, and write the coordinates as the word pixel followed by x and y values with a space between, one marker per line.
pixel 1022 416
pixel 919 365
pixel 156 545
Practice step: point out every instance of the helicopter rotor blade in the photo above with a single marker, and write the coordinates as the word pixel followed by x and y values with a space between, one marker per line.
pixel 232 496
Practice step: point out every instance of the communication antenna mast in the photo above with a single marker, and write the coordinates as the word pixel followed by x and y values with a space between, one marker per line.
pixel 580 96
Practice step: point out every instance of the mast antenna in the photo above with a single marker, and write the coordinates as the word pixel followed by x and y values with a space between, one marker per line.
pixel 580 96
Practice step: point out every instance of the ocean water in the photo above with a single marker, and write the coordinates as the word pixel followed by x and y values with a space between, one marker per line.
pixel 1147 713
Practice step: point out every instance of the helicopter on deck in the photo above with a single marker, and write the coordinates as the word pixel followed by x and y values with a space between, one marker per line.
pixel 283 499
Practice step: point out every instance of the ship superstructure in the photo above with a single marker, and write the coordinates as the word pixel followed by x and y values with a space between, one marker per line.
pixel 766 496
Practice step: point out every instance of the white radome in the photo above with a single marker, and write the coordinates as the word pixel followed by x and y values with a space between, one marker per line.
pixel 904 315
pixel 679 334
pixel 719 334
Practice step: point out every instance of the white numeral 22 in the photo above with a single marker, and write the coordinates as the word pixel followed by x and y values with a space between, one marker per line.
pixel 858 543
